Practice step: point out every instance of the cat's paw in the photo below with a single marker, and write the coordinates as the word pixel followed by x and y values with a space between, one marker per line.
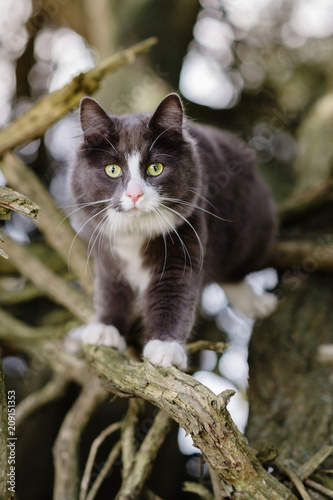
pixel 164 353
pixel 263 305
pixel 94 334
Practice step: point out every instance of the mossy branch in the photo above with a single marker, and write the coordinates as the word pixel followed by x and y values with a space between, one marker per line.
pixel 52 107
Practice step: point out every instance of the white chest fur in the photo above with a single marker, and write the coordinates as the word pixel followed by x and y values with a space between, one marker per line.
pixel 128 248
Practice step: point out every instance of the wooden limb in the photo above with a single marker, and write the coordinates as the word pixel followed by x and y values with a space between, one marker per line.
pixel 294 478
pixel 105 469
pixel 134 482
pixel 52 223
pixel 195 408
pixel 65 450
pixel 14 329
pixel 303 256
pixel 306 202
pixel 319 487
pixel 198 489
pixel 128 445
pixel 311 465
pixel 92 455
pixel 52 391
pixel 11 201
pixel 201 345
pixel 54 286
pixel 52 107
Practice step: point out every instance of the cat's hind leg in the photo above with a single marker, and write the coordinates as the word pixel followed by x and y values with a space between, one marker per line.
pixel 242 297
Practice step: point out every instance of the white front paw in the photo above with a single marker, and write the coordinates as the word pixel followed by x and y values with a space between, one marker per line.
pixel 164 353
pixel 95 334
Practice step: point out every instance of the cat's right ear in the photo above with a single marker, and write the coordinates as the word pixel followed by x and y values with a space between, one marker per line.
pixel 95 122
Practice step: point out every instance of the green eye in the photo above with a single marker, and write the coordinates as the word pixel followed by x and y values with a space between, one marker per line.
pixel 155 169
pixel 113 171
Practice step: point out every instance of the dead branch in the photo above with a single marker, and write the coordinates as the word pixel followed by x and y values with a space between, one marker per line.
pixel 134 481
pixel 65 450
pixel 51 221
pixel 11 201
pixel 52 391
pixel 54 286
pixel 52 107
pixel 92 455
pixel 195 408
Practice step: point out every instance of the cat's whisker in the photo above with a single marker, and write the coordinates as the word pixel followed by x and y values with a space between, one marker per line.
pixel 80 206
pixel 165 243
pixel 195 232
pixel 184 247
pixel 78 232
pixel 91 244
pixel 193 205
pixel 193 190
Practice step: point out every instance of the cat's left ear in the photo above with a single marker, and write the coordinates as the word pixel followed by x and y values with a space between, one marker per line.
pixel 169 114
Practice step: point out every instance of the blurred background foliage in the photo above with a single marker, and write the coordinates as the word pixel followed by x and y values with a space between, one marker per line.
pixel 262 69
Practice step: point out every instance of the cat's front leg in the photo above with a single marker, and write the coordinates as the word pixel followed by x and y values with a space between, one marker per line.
pixel 112 300
pixel 169 317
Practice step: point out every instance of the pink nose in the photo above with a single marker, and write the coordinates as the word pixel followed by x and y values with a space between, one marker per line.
pixel 134 192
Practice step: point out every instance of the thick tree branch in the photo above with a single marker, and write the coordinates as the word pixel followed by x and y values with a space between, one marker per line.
pixel 198 411
pixel 51 108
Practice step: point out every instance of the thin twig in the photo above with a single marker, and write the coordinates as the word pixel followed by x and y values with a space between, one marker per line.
pixel 92 455
pixel 144 458
pixel 319 487
pixel 52 223
pixel 45 279
pixel 105 470
pixel 216 485
pixel 198 489
pixel 294 478
pixel 311 465
pixel 131 419
pixel 52 391
pixel 65 450
pixel 201 345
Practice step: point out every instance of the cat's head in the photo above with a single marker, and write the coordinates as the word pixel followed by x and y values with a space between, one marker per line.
pixel 137 171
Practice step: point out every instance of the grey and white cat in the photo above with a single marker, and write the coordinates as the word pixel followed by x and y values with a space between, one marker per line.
pixel 166 206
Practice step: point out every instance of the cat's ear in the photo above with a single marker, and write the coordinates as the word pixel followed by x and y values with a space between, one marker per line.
pixel 95 122
pixel 169 114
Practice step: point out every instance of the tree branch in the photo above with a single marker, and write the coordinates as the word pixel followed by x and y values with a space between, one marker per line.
pixel 54 286
pixel 52 391
pixel 51 108
pixel 52 223
pixel 92 455
pixel 134 481
pixel 195 408
pixel 65 451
